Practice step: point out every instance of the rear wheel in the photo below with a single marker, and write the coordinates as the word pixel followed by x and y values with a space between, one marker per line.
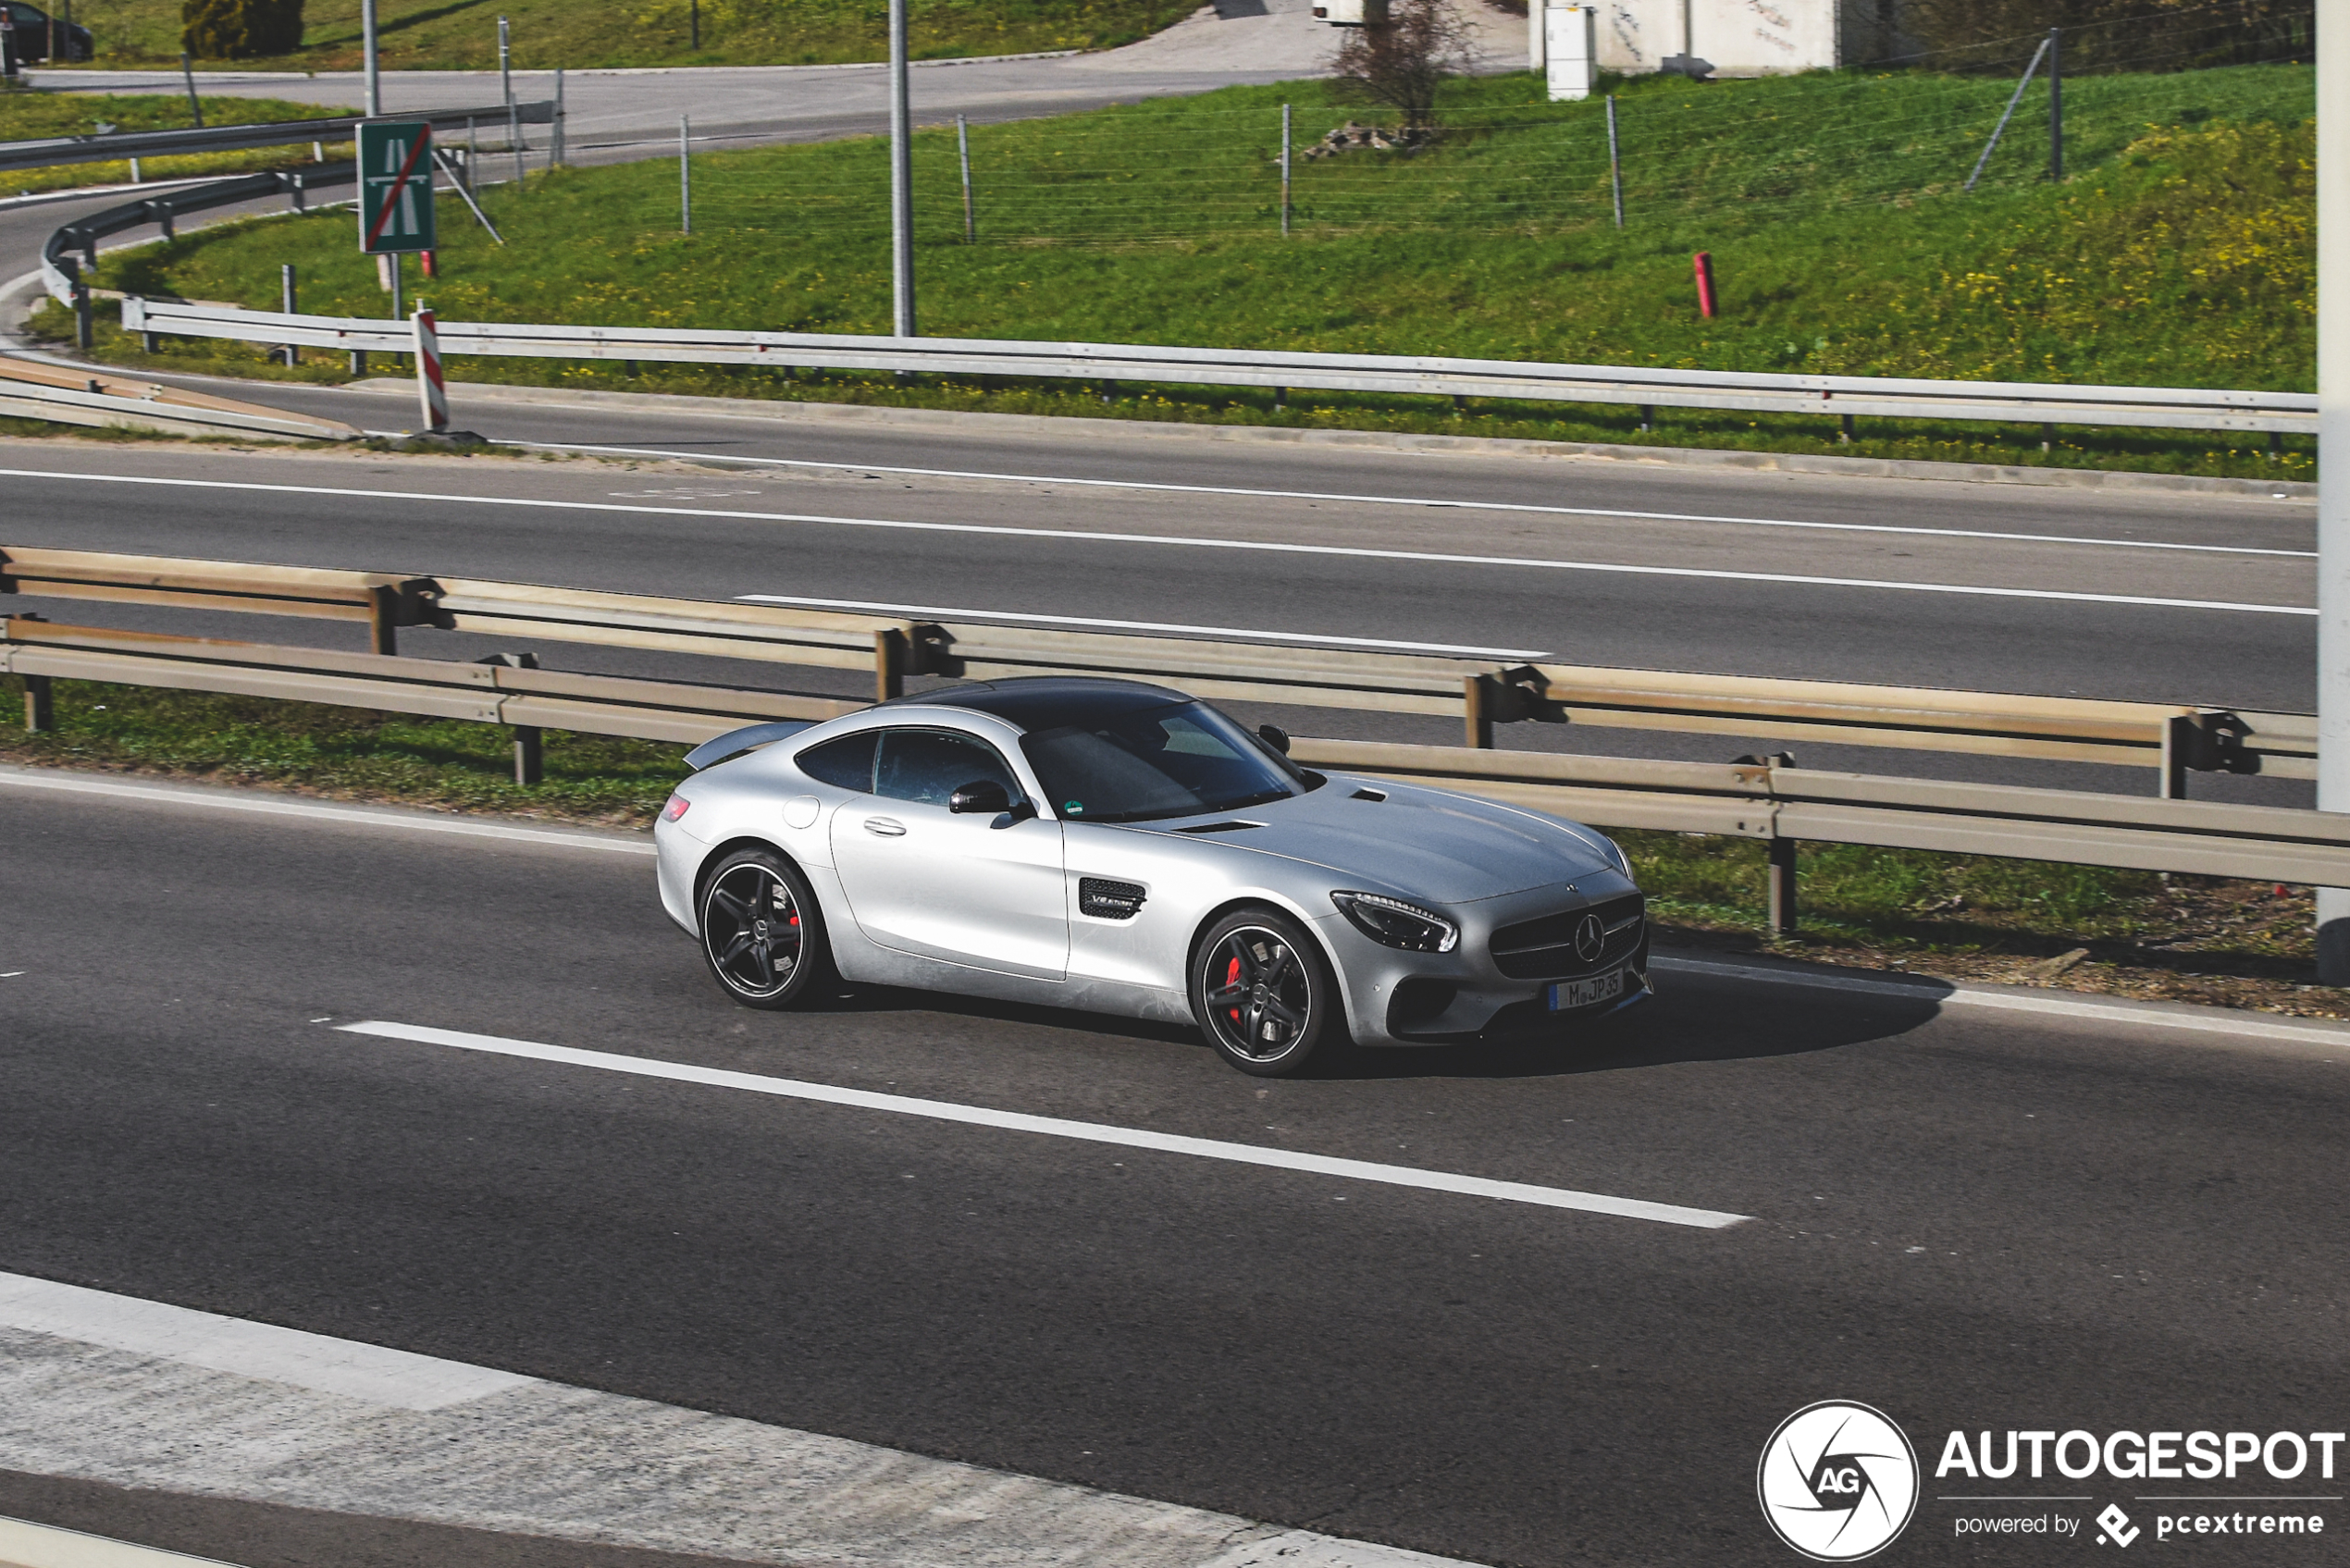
pixel 1263 992
pixel 761 933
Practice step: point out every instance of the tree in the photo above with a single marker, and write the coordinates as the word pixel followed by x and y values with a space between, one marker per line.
pixel 1403 61
pixel 239 30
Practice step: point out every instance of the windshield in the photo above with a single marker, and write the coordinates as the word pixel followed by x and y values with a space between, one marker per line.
pixel 1174 761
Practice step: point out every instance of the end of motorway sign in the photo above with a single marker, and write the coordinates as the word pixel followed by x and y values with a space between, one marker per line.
pixel 395 187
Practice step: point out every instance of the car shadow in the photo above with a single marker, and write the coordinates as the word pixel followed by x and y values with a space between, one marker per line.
pixel 1710 1020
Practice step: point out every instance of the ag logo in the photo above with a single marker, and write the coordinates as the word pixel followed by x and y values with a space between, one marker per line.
pixel 1837 1481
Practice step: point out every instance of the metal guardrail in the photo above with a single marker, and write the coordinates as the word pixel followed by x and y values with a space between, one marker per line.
pixel 1779 804
pixel 68 396
pixel 2013 402
pixel 2173 739
pixel 116 146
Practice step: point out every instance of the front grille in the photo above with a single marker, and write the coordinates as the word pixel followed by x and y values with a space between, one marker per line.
pixel 1543 948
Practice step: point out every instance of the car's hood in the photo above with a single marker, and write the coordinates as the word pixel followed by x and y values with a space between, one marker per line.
pixel 1429 842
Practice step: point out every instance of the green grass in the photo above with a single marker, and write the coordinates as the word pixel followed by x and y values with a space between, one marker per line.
pixel 462 34
pixel 2180 252
pixel 1869 903
pixel 26 115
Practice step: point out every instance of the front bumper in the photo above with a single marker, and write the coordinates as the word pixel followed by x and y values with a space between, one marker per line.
pixel 1401 999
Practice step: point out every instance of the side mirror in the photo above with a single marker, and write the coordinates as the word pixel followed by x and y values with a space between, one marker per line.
pixel 982 796
pixel 1274 736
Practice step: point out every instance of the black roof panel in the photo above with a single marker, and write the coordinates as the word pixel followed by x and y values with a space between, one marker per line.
pixel 1047 702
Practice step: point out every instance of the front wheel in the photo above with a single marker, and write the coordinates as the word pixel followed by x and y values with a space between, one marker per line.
pixel 761 933
pixel 1263 992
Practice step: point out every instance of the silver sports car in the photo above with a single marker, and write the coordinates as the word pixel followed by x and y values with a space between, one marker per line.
pixel 1123 849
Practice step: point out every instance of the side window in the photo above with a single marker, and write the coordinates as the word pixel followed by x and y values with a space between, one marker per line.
pixel 845 764
pixel 927 766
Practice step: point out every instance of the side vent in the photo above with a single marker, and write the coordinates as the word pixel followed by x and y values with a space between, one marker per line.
pixel 1109 900
pixel 1220 827
pixel 1367 794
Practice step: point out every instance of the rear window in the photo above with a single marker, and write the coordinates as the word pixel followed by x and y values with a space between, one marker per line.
pixel 845 764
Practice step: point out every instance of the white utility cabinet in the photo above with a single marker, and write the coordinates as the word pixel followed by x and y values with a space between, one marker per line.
pixel 1570 40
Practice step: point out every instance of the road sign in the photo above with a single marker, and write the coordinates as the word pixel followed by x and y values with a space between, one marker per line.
pixel 395 187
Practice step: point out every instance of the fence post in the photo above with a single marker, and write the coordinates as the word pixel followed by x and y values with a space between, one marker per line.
pixel 889 664
pixel 1285 149
pixel 513 133
pixel 1783 912
pixel 40 705
pixel 1614 162
pixel 963 154
pixel 2055 102
pixel 555 149
pixel 684 176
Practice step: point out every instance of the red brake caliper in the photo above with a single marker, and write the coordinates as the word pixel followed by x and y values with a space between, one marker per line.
pixel 1232 977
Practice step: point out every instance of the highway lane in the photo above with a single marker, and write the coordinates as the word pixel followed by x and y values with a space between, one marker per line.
pixel 1972 1220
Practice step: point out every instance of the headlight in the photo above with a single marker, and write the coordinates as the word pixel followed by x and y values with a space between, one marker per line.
pixel 1394 923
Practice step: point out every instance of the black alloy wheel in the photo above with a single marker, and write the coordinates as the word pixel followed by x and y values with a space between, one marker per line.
pixel 761 933
pixel 1263 992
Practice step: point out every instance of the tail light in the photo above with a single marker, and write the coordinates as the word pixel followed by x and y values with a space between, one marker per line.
pixel 678 806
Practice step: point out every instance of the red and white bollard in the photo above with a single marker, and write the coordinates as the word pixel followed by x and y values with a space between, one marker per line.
pixel 432 387
pixel 1704 266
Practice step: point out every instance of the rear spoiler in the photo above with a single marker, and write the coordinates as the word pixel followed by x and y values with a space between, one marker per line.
pixel 749 738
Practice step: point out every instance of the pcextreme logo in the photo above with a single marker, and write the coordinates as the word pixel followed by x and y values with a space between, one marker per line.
pixel 1838 1481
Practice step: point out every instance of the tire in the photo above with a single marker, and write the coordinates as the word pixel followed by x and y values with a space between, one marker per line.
pixel 762 934
pixel 1263 992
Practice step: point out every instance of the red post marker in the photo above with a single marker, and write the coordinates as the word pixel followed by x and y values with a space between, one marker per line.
pixel 432 264
pixel 1704 263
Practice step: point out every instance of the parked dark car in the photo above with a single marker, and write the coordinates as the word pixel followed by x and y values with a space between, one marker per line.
pixel 40 37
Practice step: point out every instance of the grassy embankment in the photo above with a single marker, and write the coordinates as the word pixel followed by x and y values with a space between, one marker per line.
pixel 2192 938
pixel 2180 252
pixel 433 35
pixel 27 116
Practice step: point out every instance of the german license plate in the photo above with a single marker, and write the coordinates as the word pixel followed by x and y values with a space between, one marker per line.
pixel 1569 995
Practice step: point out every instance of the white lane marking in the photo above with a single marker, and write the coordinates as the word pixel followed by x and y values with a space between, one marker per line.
pixel 373 1373
pixel 1263 546
pixel 547 838
pixel 1140 625
pixel 1599 512
pixel 28 1545
pixel 1056 1127
pixel 2218 1021
pixel 13 973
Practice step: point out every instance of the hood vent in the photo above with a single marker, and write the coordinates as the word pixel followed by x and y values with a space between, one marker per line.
pixel 1367 794
pixel 1219 827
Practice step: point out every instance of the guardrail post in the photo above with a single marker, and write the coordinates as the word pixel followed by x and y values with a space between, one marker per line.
pixel 889 664
pixel 530 755
pixel 383 619
pixel 40 705
pixel 1478 701
pixel 359 362
pixel 1782 914
pixel 2182 737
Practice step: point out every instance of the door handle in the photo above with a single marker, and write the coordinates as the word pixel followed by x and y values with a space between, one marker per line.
pixel 884 827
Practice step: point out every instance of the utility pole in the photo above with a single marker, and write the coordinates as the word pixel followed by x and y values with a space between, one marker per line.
pixel 901 180
pixel 375 93
pixel 2333 462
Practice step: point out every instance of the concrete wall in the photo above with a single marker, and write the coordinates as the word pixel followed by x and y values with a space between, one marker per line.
pixel 1742 37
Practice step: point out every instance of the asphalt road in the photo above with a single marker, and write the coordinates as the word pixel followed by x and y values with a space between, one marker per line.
pixel 2014 589
pixel 1972 1220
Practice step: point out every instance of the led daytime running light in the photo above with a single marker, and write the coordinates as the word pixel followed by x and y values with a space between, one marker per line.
pixel 1388 922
